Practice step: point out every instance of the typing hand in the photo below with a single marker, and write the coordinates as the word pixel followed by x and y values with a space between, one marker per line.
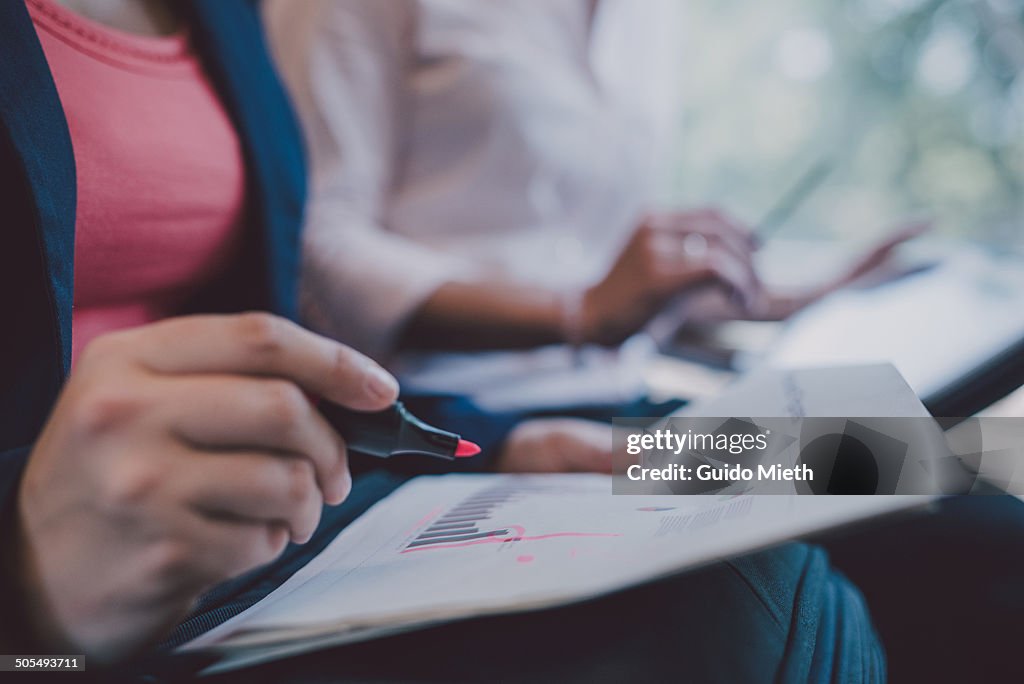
pixel 668 254
pixel 776 306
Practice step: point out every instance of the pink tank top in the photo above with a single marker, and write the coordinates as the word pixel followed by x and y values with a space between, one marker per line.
pixel 160 173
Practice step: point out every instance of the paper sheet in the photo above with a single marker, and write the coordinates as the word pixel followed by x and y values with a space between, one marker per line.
pixel 858 391
pixel 522 542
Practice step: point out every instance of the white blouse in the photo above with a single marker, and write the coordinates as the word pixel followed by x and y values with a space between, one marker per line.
pixel 452 137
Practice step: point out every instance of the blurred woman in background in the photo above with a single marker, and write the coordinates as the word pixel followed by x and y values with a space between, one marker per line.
pixel 485 174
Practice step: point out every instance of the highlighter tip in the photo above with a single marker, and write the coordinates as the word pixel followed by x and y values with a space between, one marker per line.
pixel 465 449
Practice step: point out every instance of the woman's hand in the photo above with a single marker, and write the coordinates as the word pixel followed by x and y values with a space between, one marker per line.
pixel 667 254
pixel 180 454
pixel 777 306
pixel 877 255
pixel 557 445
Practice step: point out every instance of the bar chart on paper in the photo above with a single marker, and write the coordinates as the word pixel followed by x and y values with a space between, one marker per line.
pixel 442 548
pixel 472 521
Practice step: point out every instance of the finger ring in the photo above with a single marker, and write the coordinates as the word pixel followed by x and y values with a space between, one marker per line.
pixel 695 246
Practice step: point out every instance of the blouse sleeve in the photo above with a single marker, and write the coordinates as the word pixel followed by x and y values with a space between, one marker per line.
pixel 346 65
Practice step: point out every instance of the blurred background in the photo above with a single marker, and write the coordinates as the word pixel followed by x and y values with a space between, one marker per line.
pixel 906 108
pixel 918 105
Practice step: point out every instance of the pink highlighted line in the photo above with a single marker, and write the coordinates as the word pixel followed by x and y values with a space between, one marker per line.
pixel 520 536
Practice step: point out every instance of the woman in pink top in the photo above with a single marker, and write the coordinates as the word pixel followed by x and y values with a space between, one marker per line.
pixel 152 478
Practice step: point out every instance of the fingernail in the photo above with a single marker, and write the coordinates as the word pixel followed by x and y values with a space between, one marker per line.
pixel 381 384
pixel 344 486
